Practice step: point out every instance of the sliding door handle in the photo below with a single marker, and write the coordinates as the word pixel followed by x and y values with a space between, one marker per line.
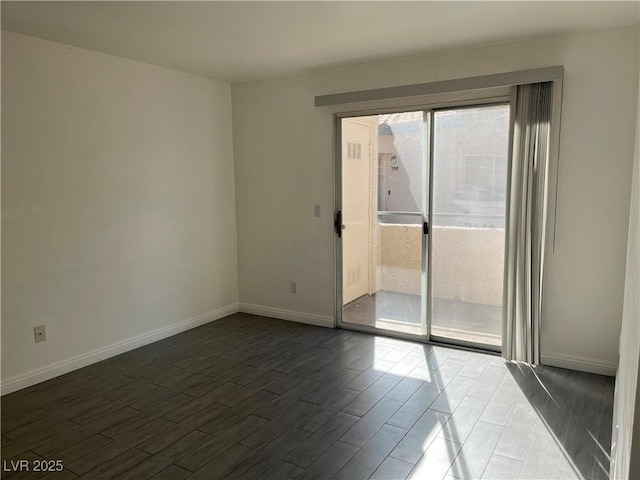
pixel 337 224
pixel 425 228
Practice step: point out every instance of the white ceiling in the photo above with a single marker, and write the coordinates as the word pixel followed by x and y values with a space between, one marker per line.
pixel 240 41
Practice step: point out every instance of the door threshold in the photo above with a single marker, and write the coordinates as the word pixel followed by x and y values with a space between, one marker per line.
pixel 413 338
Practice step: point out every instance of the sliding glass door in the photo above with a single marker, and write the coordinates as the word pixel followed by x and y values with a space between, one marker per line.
pixel 383 210
pixel 469 191
pixel 422 223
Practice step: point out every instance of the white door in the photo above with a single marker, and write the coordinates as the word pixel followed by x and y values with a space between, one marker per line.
pixel 356 204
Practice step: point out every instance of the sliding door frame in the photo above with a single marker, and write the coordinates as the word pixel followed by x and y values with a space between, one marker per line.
pixel 510 101
pixel 429 111
pixel 339 299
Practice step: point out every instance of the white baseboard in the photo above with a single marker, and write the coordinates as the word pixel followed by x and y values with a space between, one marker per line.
pixel 291 315
pixel 582 364
pixel 32 377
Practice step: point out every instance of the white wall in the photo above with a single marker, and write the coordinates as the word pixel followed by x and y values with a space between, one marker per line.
pixel 626 413
pixel 118 212
pixel 284 165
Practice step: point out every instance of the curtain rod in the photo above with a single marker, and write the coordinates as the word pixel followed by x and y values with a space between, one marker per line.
pixel 445 86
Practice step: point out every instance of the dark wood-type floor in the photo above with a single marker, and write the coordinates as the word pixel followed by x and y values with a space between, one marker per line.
pixel 250 397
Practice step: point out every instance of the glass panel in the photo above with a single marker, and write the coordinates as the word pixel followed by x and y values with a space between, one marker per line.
pixel 468 222
pixel 382 244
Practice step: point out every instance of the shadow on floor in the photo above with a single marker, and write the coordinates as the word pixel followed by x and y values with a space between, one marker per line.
pixel 575 409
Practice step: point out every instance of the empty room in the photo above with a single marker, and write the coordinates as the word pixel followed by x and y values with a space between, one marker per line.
pixel 320 240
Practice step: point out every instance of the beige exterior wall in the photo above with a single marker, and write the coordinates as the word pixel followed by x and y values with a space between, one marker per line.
pixel 468 263
pixel 399 266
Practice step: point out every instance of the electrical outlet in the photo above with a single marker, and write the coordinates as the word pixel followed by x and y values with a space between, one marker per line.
pixel 292 287
pixel 39 333
pixel 316 210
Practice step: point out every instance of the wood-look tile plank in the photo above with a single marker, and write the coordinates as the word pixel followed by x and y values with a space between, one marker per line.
pixel 365 379
pixel 602 456
pixel 327 410
pixel 33 440
pixel 578 443
pixel 476 363
pixel 502 403
pixel 117 447
pixel 287 399
pixel 284 471
pixel 325 372
pixel 476 451
pixel 399 350
pixel 461 423
pixel 369 424
pixel 164 458
pixel 516 437
pixel 130 424
pixel 267 458
pixel 103 411
pixel 500 468
pixel 412 409
pixel 454 393
pixel 149 401
pixel 436 461
pixel 72 437
pixel 202 455
pixel 172 472
pixel 420 436
pixel 330 462
pixel 198 360
pixel 279 424
pixel 372 454
pixel 560 475
pixel 302 360
pixel 20 419
pixel 183 428
pixel 34 430
pixel 542 459
pixel 305 453
pixel 443 373
pixel 253 387
pixel 367 360
pixel 116 465
pixel 241 374
pixel 329 388
pixel 404 389
pixel 79 406
pixel 189 379
pixel 369 397
pixel 487 382
pixel 146 390
pixel 285 384
pixel 237 413
pixel 405 366
pixel 123 391
pixel 82 448
pixel 202 404
pixel 392 469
